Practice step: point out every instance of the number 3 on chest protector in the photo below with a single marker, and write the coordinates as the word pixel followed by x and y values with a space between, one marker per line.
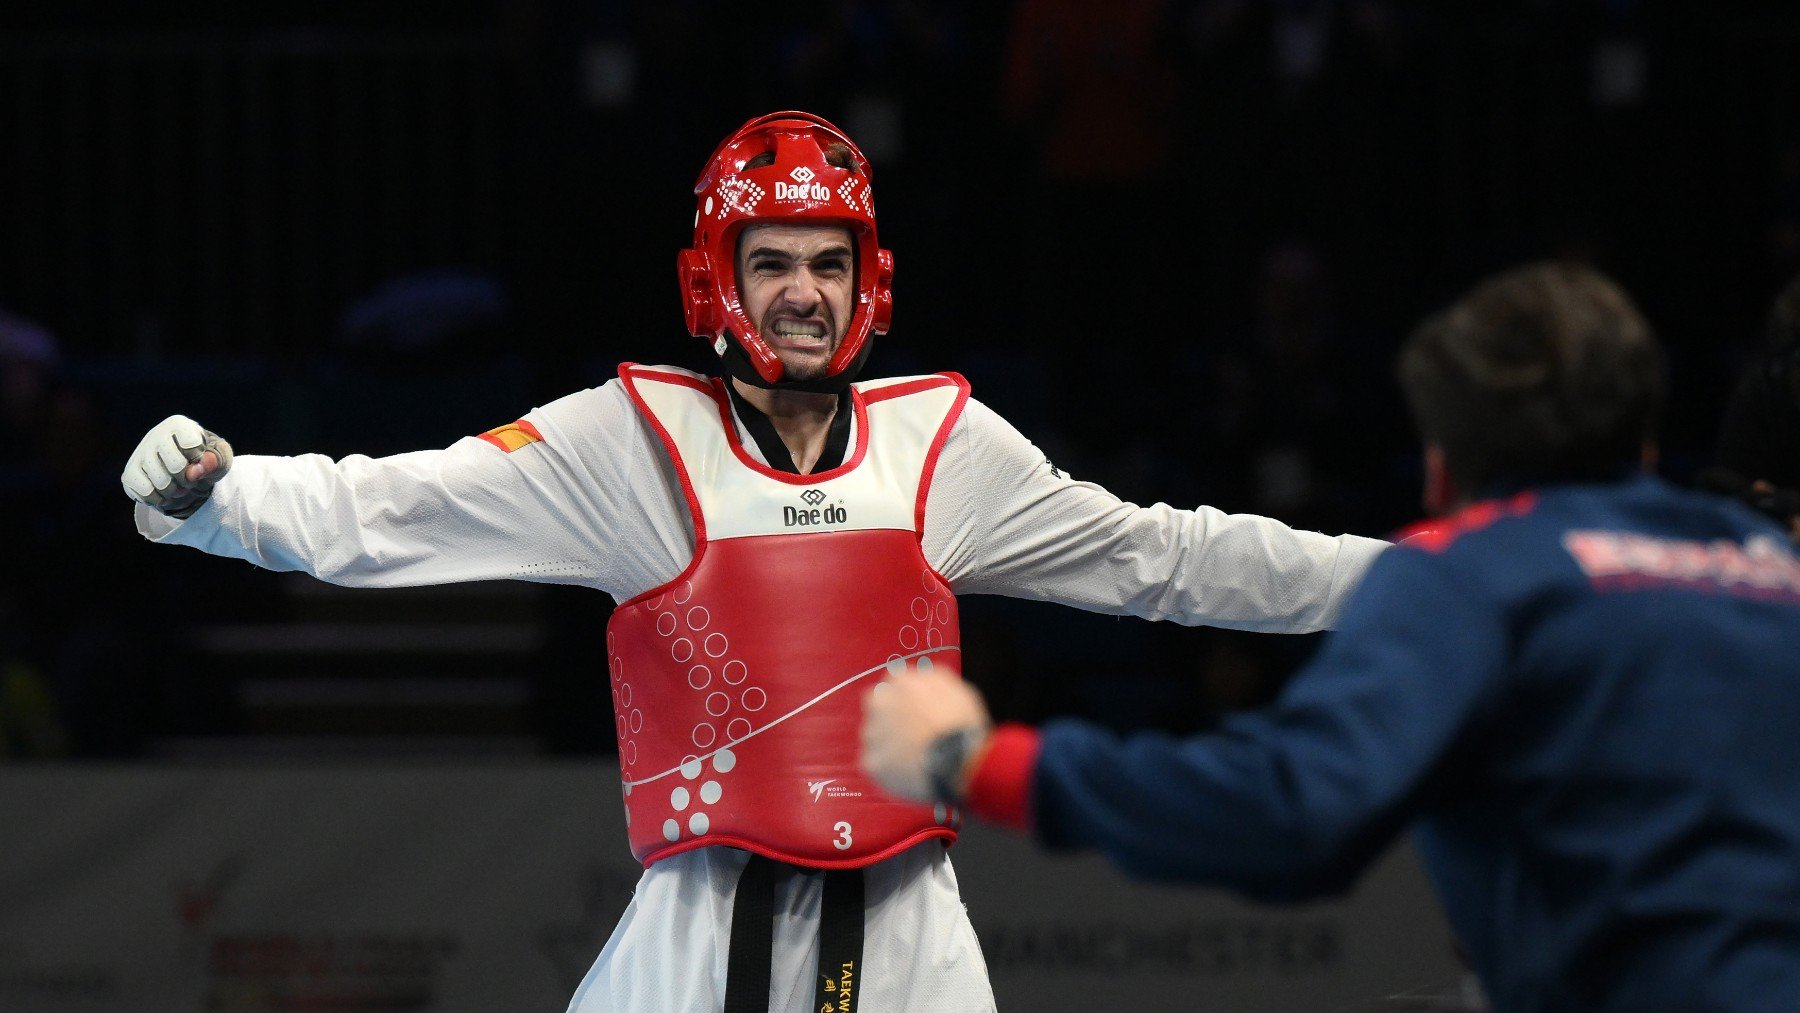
pixel 843 839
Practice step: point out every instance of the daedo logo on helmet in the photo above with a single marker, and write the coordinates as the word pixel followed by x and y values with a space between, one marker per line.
pixel 803 187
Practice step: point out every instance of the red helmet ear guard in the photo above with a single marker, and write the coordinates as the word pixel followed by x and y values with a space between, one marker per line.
pixel 698 297
pixel 801 188
pixel 884 291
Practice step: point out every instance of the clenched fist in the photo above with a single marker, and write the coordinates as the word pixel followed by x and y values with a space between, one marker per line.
pixel 175 466
pixel 921 731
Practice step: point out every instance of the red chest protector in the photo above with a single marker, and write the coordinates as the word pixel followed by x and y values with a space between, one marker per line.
pixel 739 684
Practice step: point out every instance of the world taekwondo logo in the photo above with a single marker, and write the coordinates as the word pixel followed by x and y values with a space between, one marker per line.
pixel 813 515
pixel 823 789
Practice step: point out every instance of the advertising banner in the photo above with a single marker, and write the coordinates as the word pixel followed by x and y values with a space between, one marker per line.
pixel 484 888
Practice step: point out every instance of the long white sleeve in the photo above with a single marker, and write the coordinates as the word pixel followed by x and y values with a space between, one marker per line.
pixel 1000 519
pixel 564 510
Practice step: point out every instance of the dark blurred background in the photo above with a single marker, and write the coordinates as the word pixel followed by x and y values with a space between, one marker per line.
pixel 1175 242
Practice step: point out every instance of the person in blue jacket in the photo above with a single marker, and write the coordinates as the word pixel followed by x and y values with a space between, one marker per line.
pixel 1580 688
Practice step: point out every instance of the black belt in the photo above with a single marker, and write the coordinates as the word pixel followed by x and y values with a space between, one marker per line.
pixel 753 938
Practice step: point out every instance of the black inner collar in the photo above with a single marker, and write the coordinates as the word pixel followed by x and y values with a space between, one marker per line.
pixel 837 441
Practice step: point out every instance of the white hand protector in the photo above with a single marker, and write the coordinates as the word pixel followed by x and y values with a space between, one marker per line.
pixel 162 472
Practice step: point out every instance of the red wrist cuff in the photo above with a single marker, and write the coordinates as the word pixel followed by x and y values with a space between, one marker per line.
pixel 999 788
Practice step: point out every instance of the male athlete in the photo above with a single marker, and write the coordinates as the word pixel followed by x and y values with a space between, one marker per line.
pixel 1582 689
pixel 777 540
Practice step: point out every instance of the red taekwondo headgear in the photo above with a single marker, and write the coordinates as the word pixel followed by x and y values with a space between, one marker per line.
pixel 800 187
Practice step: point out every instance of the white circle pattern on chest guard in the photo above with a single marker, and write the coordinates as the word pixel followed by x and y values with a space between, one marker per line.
pixel 621 700
pixel 684 622
pixel 928 613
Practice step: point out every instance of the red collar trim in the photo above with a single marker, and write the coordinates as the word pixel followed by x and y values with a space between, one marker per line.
pixel 1438 533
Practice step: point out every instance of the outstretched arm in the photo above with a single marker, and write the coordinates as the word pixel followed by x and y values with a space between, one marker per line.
pixel 537 504
pixel 1000 519
pixel 1283 803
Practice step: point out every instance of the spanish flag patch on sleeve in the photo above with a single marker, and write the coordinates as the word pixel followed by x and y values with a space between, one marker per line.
pixel 514 435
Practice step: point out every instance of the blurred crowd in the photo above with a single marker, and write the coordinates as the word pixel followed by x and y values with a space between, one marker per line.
pixel 1175 242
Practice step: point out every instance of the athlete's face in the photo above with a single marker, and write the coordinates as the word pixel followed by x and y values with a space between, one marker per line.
pixel 798 286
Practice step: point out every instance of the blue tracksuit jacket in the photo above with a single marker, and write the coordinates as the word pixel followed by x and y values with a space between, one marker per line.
pixel 1585 700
